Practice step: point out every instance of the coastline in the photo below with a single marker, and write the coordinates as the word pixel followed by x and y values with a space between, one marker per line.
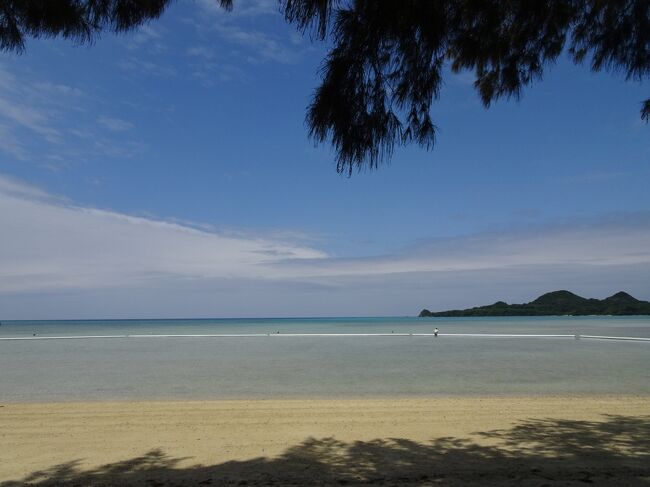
pixel 398 441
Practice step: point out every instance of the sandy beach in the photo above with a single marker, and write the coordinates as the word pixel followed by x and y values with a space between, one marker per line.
pixel 602 440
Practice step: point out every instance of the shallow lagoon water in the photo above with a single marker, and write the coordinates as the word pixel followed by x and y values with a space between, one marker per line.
pixel 272 367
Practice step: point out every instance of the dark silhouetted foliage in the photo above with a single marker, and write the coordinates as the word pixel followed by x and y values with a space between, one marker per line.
pixel 556 303
pixel 79 20
pixel 386 63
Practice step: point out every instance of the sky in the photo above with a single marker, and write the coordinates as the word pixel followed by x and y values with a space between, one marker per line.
pixel 168 173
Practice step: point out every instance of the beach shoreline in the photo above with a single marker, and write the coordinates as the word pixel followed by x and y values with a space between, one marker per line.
pixel 398 441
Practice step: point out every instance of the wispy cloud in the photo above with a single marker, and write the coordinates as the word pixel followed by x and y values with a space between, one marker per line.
pixel 262 46
pixel 54 245
pixel 613 242
pixel 225 44
pixel 200 51
pixel 115 124
pixel 56 124
pixel 147 37
pixel 239 28
pixel 30 118
pixel 139 66
pixel 10 144
pixel 50 245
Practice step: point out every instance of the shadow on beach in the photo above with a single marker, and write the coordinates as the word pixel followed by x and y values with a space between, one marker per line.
pixel 615 451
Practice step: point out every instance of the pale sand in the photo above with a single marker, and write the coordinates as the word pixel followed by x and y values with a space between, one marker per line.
pixel 436 441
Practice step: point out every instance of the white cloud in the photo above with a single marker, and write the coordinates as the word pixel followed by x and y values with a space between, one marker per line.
pixel 200 51
pixel 226 42
pixel 147 36
pixel 55 124
pixel 49 245
pixel 33 105
pixel 605 243
pixel 115 124
pixel 57 89
pixel 246 27
pixel 10 144
pixel 11 188
pixel 28 117
pixel 262 46
pixel 58 259
pixel 144 67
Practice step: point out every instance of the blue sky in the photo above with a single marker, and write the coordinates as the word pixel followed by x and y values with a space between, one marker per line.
pixel 195 123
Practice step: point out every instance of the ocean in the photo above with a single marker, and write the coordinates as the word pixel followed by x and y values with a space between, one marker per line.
pixel 321 367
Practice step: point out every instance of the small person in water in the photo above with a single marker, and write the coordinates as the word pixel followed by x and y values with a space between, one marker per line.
pixel 435 332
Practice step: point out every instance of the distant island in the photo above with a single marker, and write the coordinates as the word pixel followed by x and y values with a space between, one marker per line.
pixel 556 303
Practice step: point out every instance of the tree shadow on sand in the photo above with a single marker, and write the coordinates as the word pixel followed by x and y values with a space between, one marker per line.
pixel 614 451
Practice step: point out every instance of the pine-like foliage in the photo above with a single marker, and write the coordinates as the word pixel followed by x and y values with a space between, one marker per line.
pixel 386 65
pixel 387 58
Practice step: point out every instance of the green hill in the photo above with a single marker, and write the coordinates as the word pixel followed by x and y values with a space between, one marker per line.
pixel 556 303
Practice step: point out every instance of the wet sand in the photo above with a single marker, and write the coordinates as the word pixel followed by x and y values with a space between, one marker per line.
pixel 602 440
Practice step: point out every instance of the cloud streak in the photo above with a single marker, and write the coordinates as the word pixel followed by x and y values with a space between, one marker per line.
pixel 244 29
pixel 114 124
pixel 56 124
pixel 52 246
pixel 597 243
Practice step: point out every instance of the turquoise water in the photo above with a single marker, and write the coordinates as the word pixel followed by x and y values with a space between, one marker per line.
pixel 264 367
